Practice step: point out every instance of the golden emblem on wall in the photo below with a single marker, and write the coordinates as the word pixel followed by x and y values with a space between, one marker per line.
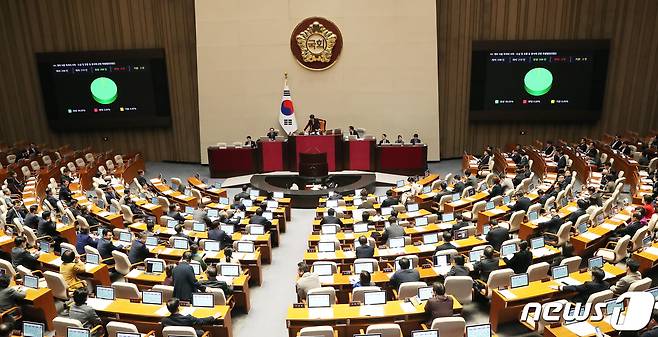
pixel 316 43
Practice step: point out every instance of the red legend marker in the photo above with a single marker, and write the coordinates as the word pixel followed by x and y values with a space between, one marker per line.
pixel 525 101
pixel 96 110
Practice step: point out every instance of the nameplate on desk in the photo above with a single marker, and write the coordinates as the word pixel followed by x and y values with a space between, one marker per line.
pixel 372 310
pixel 652 250
pixel 388 270
pixel 507 294
pixel 298 305
pixel 311 250
pixel 417 243
pixel 426 266
pixel 355 304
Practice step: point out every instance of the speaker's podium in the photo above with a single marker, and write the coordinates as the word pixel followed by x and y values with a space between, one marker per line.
pixel 329 145
pixel 313 165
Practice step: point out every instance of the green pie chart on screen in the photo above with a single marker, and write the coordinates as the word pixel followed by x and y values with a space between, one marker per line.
pixel 538 81
pixel 104 90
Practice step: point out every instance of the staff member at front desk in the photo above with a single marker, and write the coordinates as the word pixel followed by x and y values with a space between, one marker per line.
pixel 588 288
pixel 313 124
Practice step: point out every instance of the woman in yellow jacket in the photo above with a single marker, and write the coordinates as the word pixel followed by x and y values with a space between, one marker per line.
pixel 70 269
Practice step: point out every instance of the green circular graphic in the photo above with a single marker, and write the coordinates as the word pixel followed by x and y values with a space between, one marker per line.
pixel 538 81
pixel 104 90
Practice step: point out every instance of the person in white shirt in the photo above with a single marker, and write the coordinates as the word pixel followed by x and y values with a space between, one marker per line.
pixel 306 281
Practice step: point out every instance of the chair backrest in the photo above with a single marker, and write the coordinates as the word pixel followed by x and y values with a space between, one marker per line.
pixel 6 265
pixel 515 221
pixel 651 226
pixel 534 208
pixel 385 330
pixel 113 327
pixel 640 285
pixel 331 291
pixel 23 270
pixel 317 331
pixel 62 323
pixel 581 219
pixel 572 263
pixel 30 236
pixel 218 295
pixel 118 159
pixel 460 287
pixel 80 163
pixel 89 157
pixel 515 241
pixel 127 213
pixel 538 271
pixel 121 262
pixel 126 290
pixel 91 250
pixel 182 331
pixel 409 289
pixel 449 326
pixel 375 264
pixel 499 278
pixel 56 284
pixel 550 202
pixel 35 165
pixel 444 200
pixel 162 201
pixel 451 252
pixel 358 293
pixel 621 249
pixel 334 266
pixel 636 240
pixel 600 296
pixel 167 291
pixel 68 246
pixel 563 233
pixel 467 191
pixel 477 207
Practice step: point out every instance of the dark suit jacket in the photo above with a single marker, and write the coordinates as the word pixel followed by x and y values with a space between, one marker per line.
pixel 105 248
pixel 445 246
pixel 522 204
pixel 217 284
pixel 258 220
pixel 520 261
pixel 328 220
pixel 458 187
pixel 185 283
pixel 496 190
pixel 485 267
pixel 553 225
pixel 20 256
pixel 388 202
pixel 218 234
pixel 585 290
pixel 177 319
pixel 86 315
pixel 65 194
pixel 575 215
pixel 138 252
pixel 631 229
pixel 497 236
pixel 31 220
pixel 402 276
pixel 12 213
pixel 364 252
pixel 392 231
pixel 458 271
pixel 82 240
pixel 438 306
pixel 562 162
pixel 47 228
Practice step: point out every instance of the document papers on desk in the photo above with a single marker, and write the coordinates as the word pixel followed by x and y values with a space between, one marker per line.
pixel 590 236
pixel 581 329
pixel 608 226
pixel 372 310
pixel 321 312
pixel 568 281
pixel 135 273
pixel 98 304
pixel 540 252
pixel 326 279
pixel 652 250
pixel 408 307
pixel 507 294
pixel 163 311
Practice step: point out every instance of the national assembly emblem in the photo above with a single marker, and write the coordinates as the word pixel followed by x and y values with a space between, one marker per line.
pixel 316 43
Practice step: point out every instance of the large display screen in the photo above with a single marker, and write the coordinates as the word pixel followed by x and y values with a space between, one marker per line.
pixel 105 89
pixel 538 80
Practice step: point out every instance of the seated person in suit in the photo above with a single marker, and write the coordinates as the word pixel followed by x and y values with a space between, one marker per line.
pixel 185 282
pixel 458 269
pixel 384 140
pixel 17 211
pixel 365 204
pixel 47 227
pixel 272 134
pixel 21 256
pixel 632 275
pixel 548 151
pixel 331 218
pixel 459 185
pixel 566 251
pixel 134 209
pixel 588 288
pixel 521 260
pixel 460 222
pixel 447 238
pixel 364 250
pixel 180 234
pixel 553 225
pixel 31 218
pixel 65 194
pixel 471 179
pixel 173 213
pixel 390 200
pixel 84 313
pixel 138 251
pixel 244 194
pixel 213 282
pixel 71 269
pixel 522 203
pixel 394 230
pixel 415 140
pixel 365 219
pixel 9 297
pixel 352 131
pixel 484 267
pixel 198 256
pixel 216 233
pixel 405 274
pixel 399 140
pixel 306 280
pixel 249 143
pixel 84 238
pixel 497 188
pixel 439 305
pixel 13 184
pixel 630 229
pixel 497 234
pixel 582 209
pixel 259 219
pixel 51 198
pixel 175 318
pixel 364 280
pixel 106 247
pixel 444 191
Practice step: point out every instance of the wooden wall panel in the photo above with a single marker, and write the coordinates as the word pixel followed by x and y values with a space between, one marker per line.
pixel 631 99
pixel 31 26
